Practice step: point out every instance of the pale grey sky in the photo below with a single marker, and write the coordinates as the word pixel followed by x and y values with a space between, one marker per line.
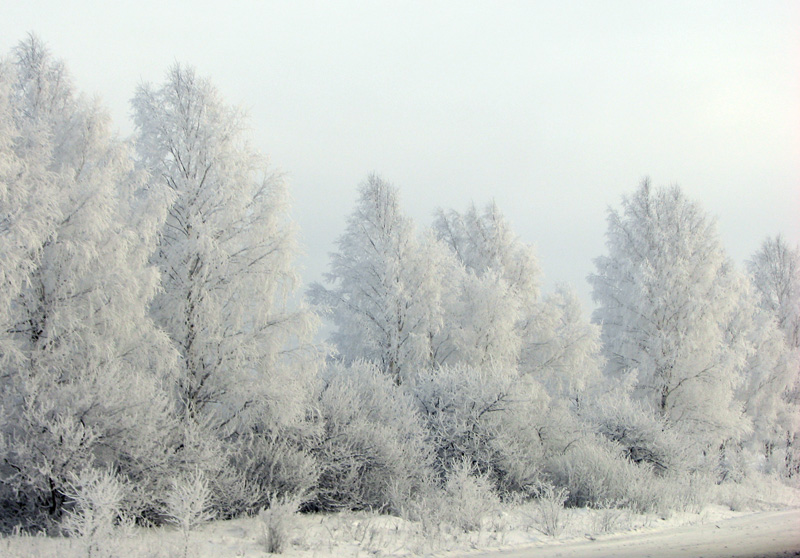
pixel 553 109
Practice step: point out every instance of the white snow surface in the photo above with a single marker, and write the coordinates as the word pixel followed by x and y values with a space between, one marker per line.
pixel 760 534
pixel 715 532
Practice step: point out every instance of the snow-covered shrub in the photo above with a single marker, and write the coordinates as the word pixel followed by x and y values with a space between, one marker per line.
pixel 469 496
pixel 791 455
pixel 644 438
pixel 240 469
pixel 198 451
pixel 550 518
pixel 504 423
pixel 232 494
pixel 610 519
pixel 463 503
pixel 686 491
pixel 276 522
pixel 269 463
pixel 187 504
pixel 526 431
pixel 595 472
pixel 95 499
pixel 371 439
pixel 20 511
pixel 460 405
pixel 55 430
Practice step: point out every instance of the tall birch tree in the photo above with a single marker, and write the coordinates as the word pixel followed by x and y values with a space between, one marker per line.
pixel 226 258
pixel 666 291
pixel 775 274
pixel 385 294
pixel 82 362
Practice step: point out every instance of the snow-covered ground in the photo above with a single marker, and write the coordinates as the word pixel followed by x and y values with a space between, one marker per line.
pixel 514 533
pixel 760 534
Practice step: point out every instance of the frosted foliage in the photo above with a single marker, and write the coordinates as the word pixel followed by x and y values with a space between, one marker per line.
pixel 81 357
pixel 385 297
pixel 664 292
pixel 225 256
pixel 28 208
pixel 495 314
pixel 771 393
pixel 186 504
pixel 770 371
pixel 483 320
pixel 96 498
pixel 643 437
pixel 459 403
pixel 491 416
pixel 561 348
pixel 468 496
pixel 484 243
pixel 775 271
pixel 492 291
pixel 373 446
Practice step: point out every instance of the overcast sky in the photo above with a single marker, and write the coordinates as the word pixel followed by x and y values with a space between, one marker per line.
pixel 553 109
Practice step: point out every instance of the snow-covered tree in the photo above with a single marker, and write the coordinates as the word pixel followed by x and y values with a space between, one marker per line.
pixel 385 298
pixel 82 362
pixel 666 292
pixel 775 271
pixel 493 292
pixel 484 243
pixel 496 315
pixel 560 348
pixel 225 256
pixel 23 224
pixel 773 387
pixel 770 372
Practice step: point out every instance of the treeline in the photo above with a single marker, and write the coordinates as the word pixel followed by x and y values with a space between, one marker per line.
pixel 146 343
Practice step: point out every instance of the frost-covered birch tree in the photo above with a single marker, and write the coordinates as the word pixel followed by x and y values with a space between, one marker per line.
pixel 386 282
pixel 775 273
pixel 225 256
pixel 511 360
pixel 666 292
pixel 81 360
pixel 495 313
pixel 770 372
pixel 561 349
pixel 497 288
pixel 23 177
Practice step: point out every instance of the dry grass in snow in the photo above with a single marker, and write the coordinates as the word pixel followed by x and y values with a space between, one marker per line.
pixel 362 534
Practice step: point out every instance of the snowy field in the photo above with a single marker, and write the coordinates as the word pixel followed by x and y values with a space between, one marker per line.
pixel 762 528
pixel 762 534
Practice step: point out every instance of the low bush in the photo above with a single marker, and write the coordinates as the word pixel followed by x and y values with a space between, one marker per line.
pixel 275 462
pixel 187 504
pixel 94 507
pixel 596 473
pixel 276 522
pixel 469 497
pixel 550 517
pixel 643 437
pixel 372 446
